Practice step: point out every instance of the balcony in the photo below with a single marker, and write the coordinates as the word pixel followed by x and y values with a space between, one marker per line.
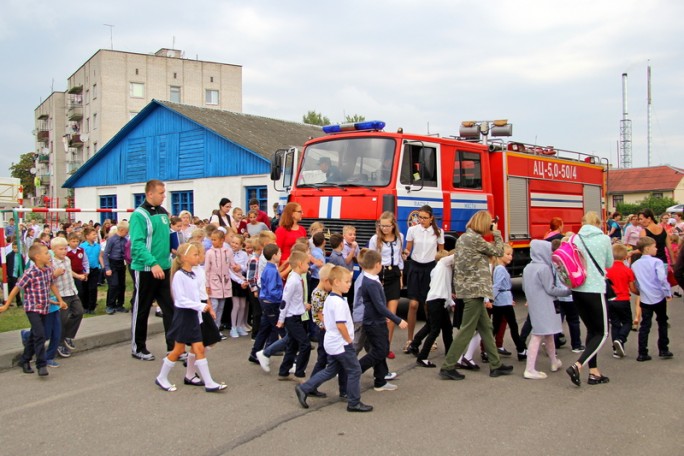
pixel 42 136
pixel 43 116
pixel 44 179
pixel 75 140
pixel 43 158
pixel 75 89
pixel 75 112
pixel 72 167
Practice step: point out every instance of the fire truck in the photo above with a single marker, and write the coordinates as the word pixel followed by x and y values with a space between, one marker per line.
pixel 354 172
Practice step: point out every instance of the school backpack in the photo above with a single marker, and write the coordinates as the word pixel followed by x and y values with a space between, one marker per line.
pixel 569 263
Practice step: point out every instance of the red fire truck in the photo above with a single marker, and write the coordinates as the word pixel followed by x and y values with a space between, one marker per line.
pixel 356 171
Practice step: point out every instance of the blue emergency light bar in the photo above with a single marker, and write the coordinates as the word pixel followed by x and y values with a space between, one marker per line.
pixel 355 126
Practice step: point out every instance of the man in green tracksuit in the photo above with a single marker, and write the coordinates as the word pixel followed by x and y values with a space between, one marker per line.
pixel 151 265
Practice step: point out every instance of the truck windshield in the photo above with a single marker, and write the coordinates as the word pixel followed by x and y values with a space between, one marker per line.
pixel 366 161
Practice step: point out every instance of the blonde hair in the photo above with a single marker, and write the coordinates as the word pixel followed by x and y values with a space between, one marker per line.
pixel 296 258
pixel 338 273
pixel 181 252
pixel 324 272
pixel 619 252
pixel 316 227
pixel 267 237
pixel 240 238
pixel 58 242
pixel 348 229
pixel 591 218
pixel 480 222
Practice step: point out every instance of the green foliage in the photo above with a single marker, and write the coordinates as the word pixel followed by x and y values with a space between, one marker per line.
pixel 22 171
pixel 657 205
pixel 354 118
pixel 315 118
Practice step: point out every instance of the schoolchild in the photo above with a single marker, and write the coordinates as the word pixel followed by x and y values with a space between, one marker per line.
pixel 53 332
pixel 350 252
pixel 94 253
pixel 375 318
pixel 336 246
pixel 14 263
pixel 294 318
pixel 175 235
pixel 619 309
pixel 439 301
pixel 115 269
pixel 187 320
pixel 238 315
pixel 503 304
pixel 655 292
pixel 270 298
pixel 338 343
pixel 318 297
pixel 541 290
pixel 80 266
pixel 317 259
pixel 72 316
pixel 253 248
pixel 36 282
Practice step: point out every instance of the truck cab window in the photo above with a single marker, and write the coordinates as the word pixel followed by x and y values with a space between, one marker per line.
pixel 417 166
pixel 468 170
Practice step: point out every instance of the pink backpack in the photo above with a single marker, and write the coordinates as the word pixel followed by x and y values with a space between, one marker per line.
pixel 570 263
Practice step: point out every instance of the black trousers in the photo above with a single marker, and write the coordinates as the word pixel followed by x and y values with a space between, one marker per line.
pixel 500 313
pixel 116 284
pixel 148 289
pixel 91 289
pixel 438 320
pixel 377 336
pixel 620 313
pixel 592 310
pixel 647 311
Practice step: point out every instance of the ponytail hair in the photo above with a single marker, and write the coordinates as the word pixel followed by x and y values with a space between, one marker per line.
pixel 428 209
pixel 182 250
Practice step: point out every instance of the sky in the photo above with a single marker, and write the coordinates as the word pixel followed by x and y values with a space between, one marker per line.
pixel 553 69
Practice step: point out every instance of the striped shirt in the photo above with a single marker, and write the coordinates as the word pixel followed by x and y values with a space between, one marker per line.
pixel 65 282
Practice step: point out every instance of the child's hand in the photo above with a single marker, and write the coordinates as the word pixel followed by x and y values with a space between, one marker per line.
pixel 245 284
pixel 280 324
pixel 403 324
pixel 212 313
pixel 307 306
pixel 108 273
pixel 237 268
pixel 62 304
pixel 58 272
pixel 4 307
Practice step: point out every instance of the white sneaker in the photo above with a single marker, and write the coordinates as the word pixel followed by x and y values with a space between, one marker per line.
pixel 242 332
pixel 391 376
pixel 534 375
pixel 264 361
pixel 234 333
pixel 386 387
pixel 293 369
pixel 619 348
pixel 557 365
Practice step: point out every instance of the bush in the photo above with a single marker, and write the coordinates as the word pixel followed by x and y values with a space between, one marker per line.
pixel 657 205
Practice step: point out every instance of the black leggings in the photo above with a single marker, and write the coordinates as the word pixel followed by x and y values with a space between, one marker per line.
pixel 592 310
pixel 508 313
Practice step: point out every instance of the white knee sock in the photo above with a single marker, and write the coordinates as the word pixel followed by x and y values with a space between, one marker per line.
pixel 163 377
pixel 474 343
pixel 203 367
pixel 190 369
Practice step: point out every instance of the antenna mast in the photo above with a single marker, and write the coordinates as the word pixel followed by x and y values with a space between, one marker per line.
pixel 625 154
pixel 649 101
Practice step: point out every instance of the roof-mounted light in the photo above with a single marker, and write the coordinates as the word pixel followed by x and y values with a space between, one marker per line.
pixel 354 126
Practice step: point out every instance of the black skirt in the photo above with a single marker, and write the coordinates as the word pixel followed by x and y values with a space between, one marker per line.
pixel 418 280
pixel 391 282
pixel 210 332
pixel 185 327
pixel 238 291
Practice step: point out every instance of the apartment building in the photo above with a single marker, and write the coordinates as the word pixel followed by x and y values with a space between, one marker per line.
pixel 106 92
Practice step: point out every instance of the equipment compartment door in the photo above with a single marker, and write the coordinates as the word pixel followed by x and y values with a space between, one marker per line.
pixel 519 209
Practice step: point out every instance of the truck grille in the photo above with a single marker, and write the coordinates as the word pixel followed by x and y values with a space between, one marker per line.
pixel 365 229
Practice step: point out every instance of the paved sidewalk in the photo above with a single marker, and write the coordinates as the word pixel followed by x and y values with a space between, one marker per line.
pixel 94 332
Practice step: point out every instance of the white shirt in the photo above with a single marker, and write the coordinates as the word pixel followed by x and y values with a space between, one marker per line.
pixel 440 280
pixel 336 310
pixel 390 251
pixel 293 296
pixel 424 243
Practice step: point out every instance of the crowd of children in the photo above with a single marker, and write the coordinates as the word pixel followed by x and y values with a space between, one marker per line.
pixel 220 280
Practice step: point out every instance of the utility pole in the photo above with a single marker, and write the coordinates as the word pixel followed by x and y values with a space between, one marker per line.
pixel 111 35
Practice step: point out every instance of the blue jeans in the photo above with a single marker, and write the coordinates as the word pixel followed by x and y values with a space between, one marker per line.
pixel 53 333
pixel 298 347
pixel 36 341
pixel 345 362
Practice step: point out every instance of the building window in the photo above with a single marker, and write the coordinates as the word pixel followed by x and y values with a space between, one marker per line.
pixel 136 71
pixel 94 148
pixel 657 194
pixel 211 79
pixel 175 94
pixel 618 199
pixel 211 97
pixel 107 202
pixel 182 201
pixel 137 90
pixel 260 193
pixel 138 199
pixel 175 75
pixel 87 97
pixel 94 91
pixel 94 121
pixel 87 125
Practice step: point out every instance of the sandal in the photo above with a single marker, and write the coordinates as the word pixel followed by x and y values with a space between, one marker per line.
pixel 425 363
pixel 597 379
pixel 407 347
pixel 194 381
pixel 573 372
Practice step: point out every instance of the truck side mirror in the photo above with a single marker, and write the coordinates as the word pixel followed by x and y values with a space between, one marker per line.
pixel 276 167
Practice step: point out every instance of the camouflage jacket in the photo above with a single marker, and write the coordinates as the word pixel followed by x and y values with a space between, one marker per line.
pixel 472 275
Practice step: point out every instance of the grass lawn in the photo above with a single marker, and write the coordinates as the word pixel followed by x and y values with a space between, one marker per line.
pixel 15 318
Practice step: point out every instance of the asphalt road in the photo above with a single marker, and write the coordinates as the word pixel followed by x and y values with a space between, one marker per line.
pixel 103 402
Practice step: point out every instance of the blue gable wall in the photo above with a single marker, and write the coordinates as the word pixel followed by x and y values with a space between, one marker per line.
pixel 165 145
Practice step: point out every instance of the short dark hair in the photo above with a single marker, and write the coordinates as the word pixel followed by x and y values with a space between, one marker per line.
pixel 254 201
pixel 370 259
pixel 152 185
pixel 270 250
pixel 335 240
pixel 318 239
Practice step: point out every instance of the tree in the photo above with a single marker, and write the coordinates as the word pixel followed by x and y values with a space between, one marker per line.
pixel 315 118
pixel 22 171
pixel 657 205
pixel 355 118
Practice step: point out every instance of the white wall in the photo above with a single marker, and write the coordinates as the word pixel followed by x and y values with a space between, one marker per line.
pixel 207 193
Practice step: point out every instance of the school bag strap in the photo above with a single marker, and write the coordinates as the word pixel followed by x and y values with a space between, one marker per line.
pixel 591 256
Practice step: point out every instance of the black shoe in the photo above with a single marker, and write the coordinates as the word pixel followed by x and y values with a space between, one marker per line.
pixel 344 396
pixel 503 352
pixel 252 359
pixel 425 363
pixel 467 365
pixel 43 371
pixel 26 368
pixel 194 381
pixel 665 354
pixel 522 356
pixel 413 350
pixel 642 358
pixel 301 396
pixel 485 358
pixel 451 374
pixel 597 379
pixel 573 372
pixel 316 393
pixel 501 370
pixel 360 407
pixel 561 341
